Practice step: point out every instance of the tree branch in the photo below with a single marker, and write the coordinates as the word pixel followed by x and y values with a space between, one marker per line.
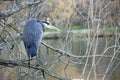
pixel 21 7
pixel 74 56
pixel 11 63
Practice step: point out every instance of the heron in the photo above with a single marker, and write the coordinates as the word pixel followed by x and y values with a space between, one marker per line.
pixel 32 36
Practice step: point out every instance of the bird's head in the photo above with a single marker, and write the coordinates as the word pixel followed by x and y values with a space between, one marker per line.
pixel 48 24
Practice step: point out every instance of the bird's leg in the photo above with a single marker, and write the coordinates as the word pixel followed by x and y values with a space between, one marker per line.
pixel 39 62
pixel 29 61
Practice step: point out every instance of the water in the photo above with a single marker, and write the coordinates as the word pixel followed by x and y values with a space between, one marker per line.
pixel 86 67
pixel 91 59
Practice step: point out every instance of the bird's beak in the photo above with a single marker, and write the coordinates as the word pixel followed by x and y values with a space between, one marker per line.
pixel 55 28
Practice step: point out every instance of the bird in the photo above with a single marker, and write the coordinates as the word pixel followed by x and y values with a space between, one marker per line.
pixel 32 36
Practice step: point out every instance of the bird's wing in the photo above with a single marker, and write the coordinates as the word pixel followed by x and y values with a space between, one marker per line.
pixel 32 37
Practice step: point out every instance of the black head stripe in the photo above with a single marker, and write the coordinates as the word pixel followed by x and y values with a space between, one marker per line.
pixel 46 22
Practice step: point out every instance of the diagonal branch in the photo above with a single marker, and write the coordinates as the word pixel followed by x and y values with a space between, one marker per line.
pixel 17 9
pixel 11 63
pixel 64 53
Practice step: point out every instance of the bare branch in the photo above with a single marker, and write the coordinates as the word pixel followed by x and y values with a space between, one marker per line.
pixel 11 63
pixel 17 9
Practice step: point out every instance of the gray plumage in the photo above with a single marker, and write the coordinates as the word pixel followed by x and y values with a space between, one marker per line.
pixel 32 37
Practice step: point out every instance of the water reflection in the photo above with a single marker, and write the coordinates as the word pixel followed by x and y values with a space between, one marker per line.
pixel 86 66
pixel 74 67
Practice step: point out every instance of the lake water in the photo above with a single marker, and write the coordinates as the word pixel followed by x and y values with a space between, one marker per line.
pixel 98 58
pixel 90 58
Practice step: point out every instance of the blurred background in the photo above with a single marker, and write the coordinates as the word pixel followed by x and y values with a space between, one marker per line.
pixel 89 34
